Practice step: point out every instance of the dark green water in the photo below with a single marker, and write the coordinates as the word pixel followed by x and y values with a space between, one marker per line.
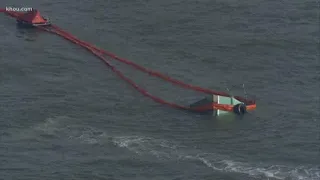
pixel 65 115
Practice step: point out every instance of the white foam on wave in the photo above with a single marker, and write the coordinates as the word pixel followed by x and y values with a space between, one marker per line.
pixel 87 135
pixel 260 171
pixel 143 145
pixel 51 125
pixel 167 150
pixel 63 127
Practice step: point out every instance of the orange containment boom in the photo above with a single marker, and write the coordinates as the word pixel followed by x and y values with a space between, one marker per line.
pixel 218 102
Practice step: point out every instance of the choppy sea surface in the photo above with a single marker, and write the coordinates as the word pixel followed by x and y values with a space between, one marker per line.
pixel 65 115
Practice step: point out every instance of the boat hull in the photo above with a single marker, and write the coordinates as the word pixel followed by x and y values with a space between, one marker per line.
pixel 28 24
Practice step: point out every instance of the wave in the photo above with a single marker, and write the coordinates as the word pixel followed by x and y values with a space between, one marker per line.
pixel 167 150
pixel 58 127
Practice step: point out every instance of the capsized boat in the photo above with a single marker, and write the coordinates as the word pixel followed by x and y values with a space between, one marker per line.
pixel 219 105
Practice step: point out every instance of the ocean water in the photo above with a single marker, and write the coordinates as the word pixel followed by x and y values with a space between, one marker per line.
pixel 65 115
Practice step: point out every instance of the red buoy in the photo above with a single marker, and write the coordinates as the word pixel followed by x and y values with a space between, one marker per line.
pixel 32 18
